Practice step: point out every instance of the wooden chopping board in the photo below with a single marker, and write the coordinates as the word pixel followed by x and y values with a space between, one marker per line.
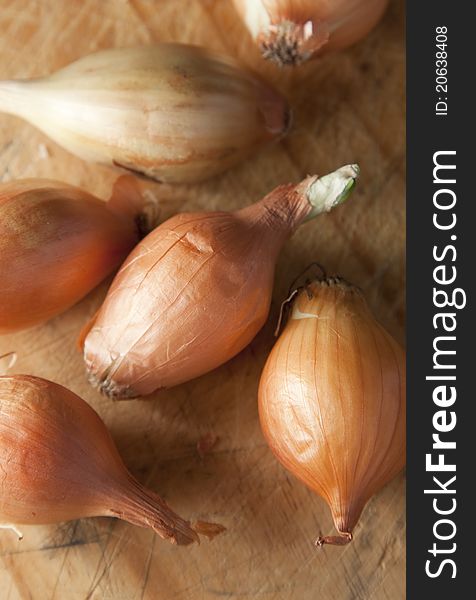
pixel 348 107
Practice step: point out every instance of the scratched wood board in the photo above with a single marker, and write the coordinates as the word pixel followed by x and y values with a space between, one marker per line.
pixel 348 107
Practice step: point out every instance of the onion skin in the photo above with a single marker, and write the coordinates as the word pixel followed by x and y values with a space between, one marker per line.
pixel 290 32
pixel 332 400
pixel 197 290
pixel 59 463
pixel 173 112
pixel 57 243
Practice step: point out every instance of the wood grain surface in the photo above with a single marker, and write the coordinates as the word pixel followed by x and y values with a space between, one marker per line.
pixel 348 107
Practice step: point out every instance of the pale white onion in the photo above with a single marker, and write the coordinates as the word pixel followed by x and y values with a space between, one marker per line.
pixel 173 112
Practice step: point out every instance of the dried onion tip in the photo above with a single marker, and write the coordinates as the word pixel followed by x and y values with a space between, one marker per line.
pixel 173 112
pixel 332 400
pixel 197 289
pixel 57 243
pixel 290 32
pixel 59 463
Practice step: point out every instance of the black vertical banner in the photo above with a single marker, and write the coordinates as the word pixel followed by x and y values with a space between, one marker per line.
pixel 441 253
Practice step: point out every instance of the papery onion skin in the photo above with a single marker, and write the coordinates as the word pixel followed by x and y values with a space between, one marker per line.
pixel 332 400
pixel 57 243
pixel 197 290
pixel 290 32
pixel 59 463
pixel 173 112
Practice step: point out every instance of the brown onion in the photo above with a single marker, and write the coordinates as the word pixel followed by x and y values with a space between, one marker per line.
pixel 197 289
pixel 332 400
pixel 57 243
pixel 58 463
pixel 290 32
